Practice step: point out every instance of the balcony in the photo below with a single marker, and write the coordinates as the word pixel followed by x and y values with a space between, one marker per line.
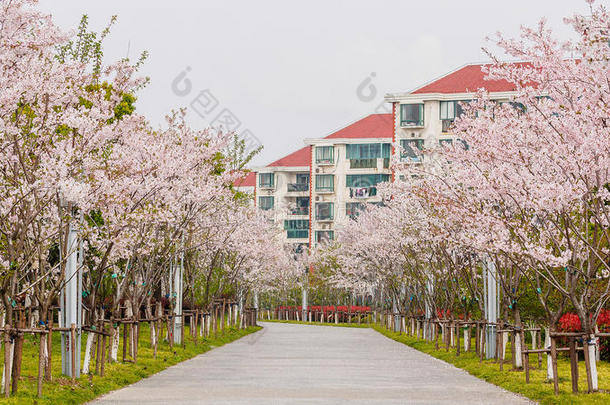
pixel 325 211
pixel 325 218
pixel 325 190
pixel 362 192
pixel 363 163
pixel 325 162
pixel 297 187
pixel 299 211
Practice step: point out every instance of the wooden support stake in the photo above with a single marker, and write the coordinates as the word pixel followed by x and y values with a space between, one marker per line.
pixel 587 365
pixel 574 365
pixel 73 351
pixel 47 371
pixel 477 339
pixel 98 353
pixel 554 363
pixel 457 337
pixel 18 352
pixel 125 342
pixel 482 346
pixel 41 351
pixel 7 364
pixel 525 357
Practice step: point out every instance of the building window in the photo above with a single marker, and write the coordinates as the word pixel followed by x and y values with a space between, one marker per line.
pixel 411 149
pixel 297 228
pixel 324 236
pixel 265 203
pixel 364 185
pixel 302 183
pixel 302 206
pixel 353 209
pixel 411 115
pixel 325 211
pixel 266 180
pixel 364 156
pixel 302 178
pixel 325 154
pixel 325 182
pixel 449 111
pixel 366 180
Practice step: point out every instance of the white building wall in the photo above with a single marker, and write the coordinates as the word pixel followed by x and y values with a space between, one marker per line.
pixel 340 169
pixel 283 199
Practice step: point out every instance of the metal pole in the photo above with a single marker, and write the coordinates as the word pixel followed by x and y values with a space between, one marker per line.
pixel 70 303
pixel 178 287
pixel 491 306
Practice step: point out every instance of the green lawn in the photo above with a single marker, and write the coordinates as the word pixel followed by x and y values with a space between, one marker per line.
pixel 538 389
pixel 61 390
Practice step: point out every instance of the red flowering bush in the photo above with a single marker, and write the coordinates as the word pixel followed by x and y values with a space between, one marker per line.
pixel 327 308
pixel 570 322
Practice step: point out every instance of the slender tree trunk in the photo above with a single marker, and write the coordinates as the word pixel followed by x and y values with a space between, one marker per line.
pixel 88 352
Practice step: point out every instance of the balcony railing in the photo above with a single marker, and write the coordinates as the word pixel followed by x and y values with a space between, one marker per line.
pixel 298 187
pixel 325 161
pixel 363 163
pixel 362 192
pixel 299 211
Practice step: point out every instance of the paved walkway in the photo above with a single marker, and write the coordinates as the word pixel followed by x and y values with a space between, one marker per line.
pixel 299 364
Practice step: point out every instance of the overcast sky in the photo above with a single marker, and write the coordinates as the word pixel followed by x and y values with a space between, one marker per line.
pixel 290 70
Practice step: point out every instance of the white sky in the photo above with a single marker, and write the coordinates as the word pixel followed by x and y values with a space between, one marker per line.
pixel 290 70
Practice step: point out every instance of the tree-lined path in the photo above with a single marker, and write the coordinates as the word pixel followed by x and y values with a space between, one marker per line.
pixel 287 363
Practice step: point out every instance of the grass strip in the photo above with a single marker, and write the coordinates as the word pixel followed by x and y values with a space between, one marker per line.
pixel 117 375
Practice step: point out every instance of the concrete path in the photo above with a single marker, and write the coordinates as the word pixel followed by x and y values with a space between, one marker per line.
pixel 299 364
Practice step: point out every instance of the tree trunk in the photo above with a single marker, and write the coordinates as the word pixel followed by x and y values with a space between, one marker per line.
pixel 9 347
pixel 592 364
pixel 549 360
pixel 114 345
pixel 88 350
pixel 42 361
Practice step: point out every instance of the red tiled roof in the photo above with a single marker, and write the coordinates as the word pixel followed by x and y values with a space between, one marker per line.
pixel 467 79
pixel 249 180
pixel 373 126
pixel 300 158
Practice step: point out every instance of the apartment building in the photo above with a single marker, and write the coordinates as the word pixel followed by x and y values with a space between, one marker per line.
pixel 423 117
pixel 283 188
pixel 311 192
pixel 346 168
